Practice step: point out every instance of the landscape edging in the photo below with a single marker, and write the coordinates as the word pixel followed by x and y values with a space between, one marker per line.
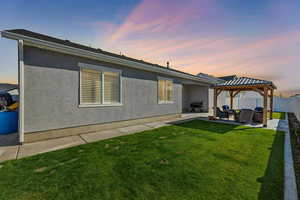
pixel 290 186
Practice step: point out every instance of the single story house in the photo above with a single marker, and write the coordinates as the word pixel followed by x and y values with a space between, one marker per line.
pixel 67 88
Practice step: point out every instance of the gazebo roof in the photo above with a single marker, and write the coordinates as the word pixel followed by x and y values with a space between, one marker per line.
pixel 244 82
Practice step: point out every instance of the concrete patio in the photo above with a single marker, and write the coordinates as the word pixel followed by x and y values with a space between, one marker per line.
pixel 9 149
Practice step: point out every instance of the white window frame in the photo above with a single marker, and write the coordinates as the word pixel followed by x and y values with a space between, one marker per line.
pixel 167 79
pixel 101 69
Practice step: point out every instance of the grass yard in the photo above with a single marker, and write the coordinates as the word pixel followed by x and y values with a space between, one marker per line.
pixel 278 115
pixel 194 160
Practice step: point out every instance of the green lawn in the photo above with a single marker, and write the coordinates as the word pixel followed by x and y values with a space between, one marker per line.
pixel 278 115
pixel 195 160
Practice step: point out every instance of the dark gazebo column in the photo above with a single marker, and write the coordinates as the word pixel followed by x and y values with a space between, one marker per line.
pixel 217 91
pixel 215 102
pixel 231 99
pixel 271 103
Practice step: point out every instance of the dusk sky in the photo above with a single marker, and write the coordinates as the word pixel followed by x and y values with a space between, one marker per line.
pixel 256 38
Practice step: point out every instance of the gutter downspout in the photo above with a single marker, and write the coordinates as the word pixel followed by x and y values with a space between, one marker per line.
pixel 21 89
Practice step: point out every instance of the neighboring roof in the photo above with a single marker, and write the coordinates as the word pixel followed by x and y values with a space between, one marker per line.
pixel 213 78
pixel 7 87
pixel 227 78
pixel 244 81
pixel 16 33
pixel 295 95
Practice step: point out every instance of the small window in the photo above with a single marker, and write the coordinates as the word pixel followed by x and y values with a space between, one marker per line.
pixel 99 87
pixel 165 90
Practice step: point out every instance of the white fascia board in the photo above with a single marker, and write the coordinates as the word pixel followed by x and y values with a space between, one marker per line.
pixel 98 56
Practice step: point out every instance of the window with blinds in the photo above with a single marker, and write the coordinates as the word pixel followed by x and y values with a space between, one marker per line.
pixel 91 87
pixel 111 87
pixel 169 90
pixel 161 91
pixel 165 91
pixel 99 87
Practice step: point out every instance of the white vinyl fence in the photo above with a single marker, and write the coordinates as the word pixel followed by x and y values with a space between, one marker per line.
pixel 248 100
pixel 288 105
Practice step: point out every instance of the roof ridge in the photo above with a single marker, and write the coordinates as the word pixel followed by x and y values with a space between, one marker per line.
pixel 253 78
pixel 48 38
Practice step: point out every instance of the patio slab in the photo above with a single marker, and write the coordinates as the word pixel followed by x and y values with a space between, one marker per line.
pixel 9 139
pixel 134 129
pixel 30 149
pixel 157 124
pixel 101 135
pixel 8 153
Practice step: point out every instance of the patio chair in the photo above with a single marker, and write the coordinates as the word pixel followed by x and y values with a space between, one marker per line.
pixel 222 114
pixel 246 116
pixel 258 115
pixel 259 109
pixel 227 109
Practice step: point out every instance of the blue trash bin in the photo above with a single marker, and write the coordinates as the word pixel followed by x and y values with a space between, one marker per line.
pixel 8 122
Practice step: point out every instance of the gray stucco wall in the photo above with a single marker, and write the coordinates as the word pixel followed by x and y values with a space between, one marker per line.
pixel 52 93
pixel 194 93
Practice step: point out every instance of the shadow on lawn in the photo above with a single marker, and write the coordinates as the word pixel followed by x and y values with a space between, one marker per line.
pixel 214 127
pixel 272 181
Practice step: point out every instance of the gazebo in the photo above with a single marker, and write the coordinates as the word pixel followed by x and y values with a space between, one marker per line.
pixel 238 84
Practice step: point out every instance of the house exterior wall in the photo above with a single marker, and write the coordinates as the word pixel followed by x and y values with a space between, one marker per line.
pixel 52 93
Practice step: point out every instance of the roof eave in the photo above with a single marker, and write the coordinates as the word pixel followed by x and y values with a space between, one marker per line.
pixel 30 41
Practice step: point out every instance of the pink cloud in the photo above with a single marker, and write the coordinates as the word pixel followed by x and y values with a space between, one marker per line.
pixel 248 48
pixel 157 31
pixel 157 16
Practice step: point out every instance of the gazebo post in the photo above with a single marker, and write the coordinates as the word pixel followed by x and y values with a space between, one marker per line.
pixel 215 102
pixel 271 103
pixel 265 112
pixel 231 99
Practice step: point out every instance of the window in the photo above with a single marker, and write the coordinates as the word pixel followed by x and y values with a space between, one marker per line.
pixel 91 87
pixel 169 90
pixel 111 87
pixel 165 90
pixel 99 86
